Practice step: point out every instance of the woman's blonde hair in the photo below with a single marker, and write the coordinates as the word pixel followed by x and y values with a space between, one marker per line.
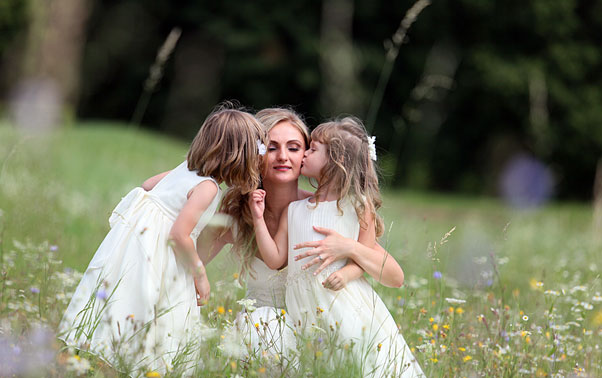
pixel 349 170
pixel 235 202
pixel 226 148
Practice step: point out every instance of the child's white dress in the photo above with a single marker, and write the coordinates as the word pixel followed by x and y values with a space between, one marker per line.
pixel 135 301
pixel 356 310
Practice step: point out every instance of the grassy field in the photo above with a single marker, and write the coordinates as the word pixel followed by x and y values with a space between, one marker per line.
pixel 506 293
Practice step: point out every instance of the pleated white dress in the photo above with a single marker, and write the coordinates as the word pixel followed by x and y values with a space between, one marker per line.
pixel 267 330
pixel 356 311
pixel 135 302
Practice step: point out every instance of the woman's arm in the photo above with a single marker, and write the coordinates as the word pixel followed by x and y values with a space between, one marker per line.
pixel 199 200
pixel 211 241
pixel 151 182
pixel 374 261
pixel 274 252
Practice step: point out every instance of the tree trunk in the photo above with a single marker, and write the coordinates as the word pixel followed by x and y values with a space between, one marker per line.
pixel 340 89
pixel 49 82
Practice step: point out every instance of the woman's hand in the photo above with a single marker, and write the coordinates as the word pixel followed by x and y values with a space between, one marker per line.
pixel 257 203
pixel 328 250
pixel 203 289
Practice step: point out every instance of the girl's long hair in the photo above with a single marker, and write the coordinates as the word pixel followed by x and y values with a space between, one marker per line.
pixel 350 171
pixel 235 203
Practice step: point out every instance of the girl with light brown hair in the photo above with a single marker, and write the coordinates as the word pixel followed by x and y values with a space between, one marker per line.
pixel 141 290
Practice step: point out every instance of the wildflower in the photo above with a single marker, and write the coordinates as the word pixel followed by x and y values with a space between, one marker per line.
pixel 283 312
pixel 551 292
pixel 130 317
pixel 233 365
pixel 434 360
pixel 462 349
pixel 586 305
pixel 101 294
pixel 229 311
pixel 431 319
pixel 34 290
pixel 459 310
pixel 320 340
pixel 598 319
pixel 379 346
pixel 437 275
pixel 54 248
pixel 597 298
pixel 319 310
pixel 235 276
pixel 221 310
pixel 153 374
pixel 318 354
pixel 435 327
pixel 467 358
pixel 248 304
pixel 446 326
pixel 257 325
pixel 455 301
pixel 261 370
pixel 525 318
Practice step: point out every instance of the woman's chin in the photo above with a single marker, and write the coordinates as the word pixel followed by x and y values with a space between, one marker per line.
pixel 281 177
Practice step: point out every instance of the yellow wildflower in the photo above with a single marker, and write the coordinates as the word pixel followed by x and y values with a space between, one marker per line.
pixel 459 310
pixel 467 358
pixel 153 374
pixel 233 365
pixel 431 319
pixel 379 346
pixel 257 325
pixel 435 327
pixel 235 276
pixel 221 310
pixel 319 354
pixel 450 310
pixel 446 326
pixel 434 360
pixel 283 312
pixel 462 349
pixel 261 370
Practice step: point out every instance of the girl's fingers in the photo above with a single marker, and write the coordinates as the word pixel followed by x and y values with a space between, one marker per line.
pixel 312 262
pixel 323 230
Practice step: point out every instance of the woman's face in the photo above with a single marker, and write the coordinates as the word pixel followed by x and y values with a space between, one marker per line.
pixel 285 153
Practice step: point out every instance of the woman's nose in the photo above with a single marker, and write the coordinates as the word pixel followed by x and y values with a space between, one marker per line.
pixel 281 154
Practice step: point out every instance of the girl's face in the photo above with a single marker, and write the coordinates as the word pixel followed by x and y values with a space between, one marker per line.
pixel 315 159
pixel 285 153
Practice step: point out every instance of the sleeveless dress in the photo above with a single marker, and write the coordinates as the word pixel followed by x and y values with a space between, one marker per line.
pixel 356 311
pixel 135 301
pixel 266 330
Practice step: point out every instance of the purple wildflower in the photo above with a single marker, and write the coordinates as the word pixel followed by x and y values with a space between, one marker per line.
pixel 101 294
pixel 34 290
pixel 437 275
pixel 54 248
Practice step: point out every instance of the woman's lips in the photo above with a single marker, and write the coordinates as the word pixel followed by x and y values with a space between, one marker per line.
pixel 282 168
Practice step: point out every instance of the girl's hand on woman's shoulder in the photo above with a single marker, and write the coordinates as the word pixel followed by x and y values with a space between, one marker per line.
pixel 326 251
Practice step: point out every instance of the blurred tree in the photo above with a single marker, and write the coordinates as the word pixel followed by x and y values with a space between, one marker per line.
pixel 475 83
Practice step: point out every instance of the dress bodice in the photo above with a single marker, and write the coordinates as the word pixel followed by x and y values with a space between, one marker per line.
pixel 171 194
pixel 266 286
pixel 303 215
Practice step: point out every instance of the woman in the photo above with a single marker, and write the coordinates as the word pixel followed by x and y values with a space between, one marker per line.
pixel 288 140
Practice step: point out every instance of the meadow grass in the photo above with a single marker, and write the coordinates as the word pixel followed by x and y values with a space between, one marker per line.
pixel 508 292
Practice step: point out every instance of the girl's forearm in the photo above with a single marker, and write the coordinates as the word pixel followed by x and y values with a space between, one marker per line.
pixel 184 248
pixel 266 245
